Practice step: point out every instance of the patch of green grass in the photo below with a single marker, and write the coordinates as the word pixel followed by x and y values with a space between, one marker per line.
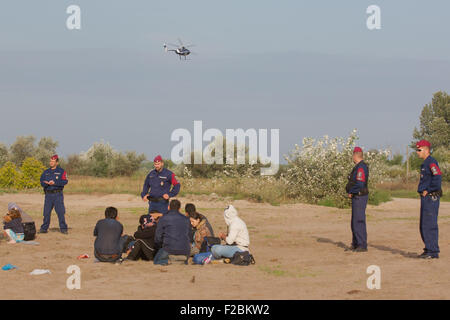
pixel 404 194
pixel 414 195
pixel 6 190
pixel 277 271
pixel 275 204
pixel 327 203
pixel 274 271
pixel 377 197
pixel 136 211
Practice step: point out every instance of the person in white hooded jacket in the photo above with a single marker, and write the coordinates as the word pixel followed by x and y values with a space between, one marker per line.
pixel 237 239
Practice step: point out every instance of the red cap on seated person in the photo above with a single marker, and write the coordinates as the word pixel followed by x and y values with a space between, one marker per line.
pixel 55 157
pixel 423 143
pixel 158 158
pixel 357 149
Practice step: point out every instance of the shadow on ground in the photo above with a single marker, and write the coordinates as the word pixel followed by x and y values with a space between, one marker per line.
pixel 342 245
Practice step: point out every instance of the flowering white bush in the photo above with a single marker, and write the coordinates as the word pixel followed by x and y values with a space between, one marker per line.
pixel 319 170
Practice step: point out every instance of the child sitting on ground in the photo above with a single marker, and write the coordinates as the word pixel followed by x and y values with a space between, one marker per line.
pixel 13 226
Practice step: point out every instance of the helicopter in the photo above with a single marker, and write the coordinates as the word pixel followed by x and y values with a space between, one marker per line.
pixel 180 50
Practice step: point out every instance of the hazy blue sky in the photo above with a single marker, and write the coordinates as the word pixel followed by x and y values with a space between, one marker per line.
pixel 308 68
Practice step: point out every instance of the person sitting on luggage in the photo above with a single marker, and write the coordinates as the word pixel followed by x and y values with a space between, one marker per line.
pixel 144 245
pixel 172 235
pixel 237 239
pixel 29 227
pixel 110 242
pixel 190 208
pixel 13 228
pixel 201 231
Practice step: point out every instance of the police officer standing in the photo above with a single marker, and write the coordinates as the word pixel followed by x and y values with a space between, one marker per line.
pixel 157 187
pixel 430 192
pixel 358 192
pixel 53 181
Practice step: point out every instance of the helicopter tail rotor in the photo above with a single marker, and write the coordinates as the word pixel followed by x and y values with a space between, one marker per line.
pixel 165 47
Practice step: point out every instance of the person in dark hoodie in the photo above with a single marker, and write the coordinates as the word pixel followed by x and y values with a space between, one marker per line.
pixel 144 246
pixel 172 235
pixel 13 228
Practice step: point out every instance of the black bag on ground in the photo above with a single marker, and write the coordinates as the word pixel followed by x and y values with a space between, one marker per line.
pixel 242 259
pixel 208 243
pixel 29 231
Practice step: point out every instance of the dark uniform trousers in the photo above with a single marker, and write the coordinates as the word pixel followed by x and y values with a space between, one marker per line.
pixel 429 207
pixel 358 223
pixel 161 206
pixel 54 200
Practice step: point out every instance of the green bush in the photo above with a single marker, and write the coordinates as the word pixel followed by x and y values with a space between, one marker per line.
pixel 9 175
pixel 31 171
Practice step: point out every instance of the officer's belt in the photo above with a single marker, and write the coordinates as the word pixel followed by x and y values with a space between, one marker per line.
pixel 53 191
pixel 363 192
pixel 153 199
pixel 435 193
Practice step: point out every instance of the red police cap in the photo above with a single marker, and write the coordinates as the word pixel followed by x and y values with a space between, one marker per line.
pixel 423 143
pixel 158 158
pixel 54 157
pixel 357 149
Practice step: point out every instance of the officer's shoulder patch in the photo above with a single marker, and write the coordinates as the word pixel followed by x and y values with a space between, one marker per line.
pixel 360 176
pixel 435 169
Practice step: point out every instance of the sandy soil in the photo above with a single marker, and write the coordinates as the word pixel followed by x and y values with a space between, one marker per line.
pixel 299 252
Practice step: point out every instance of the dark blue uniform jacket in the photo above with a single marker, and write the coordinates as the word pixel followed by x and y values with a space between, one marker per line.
pixel 430 176
pixel 159 183
pixel 58 175
pixel 359 178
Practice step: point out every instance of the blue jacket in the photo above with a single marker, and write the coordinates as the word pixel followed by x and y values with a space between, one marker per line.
pixel 359 177
pixel 159 183
pixel 172 233
pixel 430 176
pixel 58 175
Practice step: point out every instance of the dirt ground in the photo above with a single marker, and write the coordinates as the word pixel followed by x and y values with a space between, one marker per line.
pixel 299 253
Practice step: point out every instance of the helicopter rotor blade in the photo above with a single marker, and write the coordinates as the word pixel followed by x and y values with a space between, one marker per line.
pixel 181 43
pixel 173 45
pixel 189 45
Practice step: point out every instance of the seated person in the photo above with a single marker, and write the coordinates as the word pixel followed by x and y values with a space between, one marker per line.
pixel 110 243
pixel 144 245
pixel 172 235
pixel 13 228
pixel 200 232
pixel 190 208
pixel 237 239
pixel 28 224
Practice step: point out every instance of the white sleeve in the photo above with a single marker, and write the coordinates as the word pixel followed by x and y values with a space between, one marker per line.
pixel 232 234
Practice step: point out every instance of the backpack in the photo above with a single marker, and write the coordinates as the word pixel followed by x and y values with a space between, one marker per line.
pixel 29 231
pixel 242 259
